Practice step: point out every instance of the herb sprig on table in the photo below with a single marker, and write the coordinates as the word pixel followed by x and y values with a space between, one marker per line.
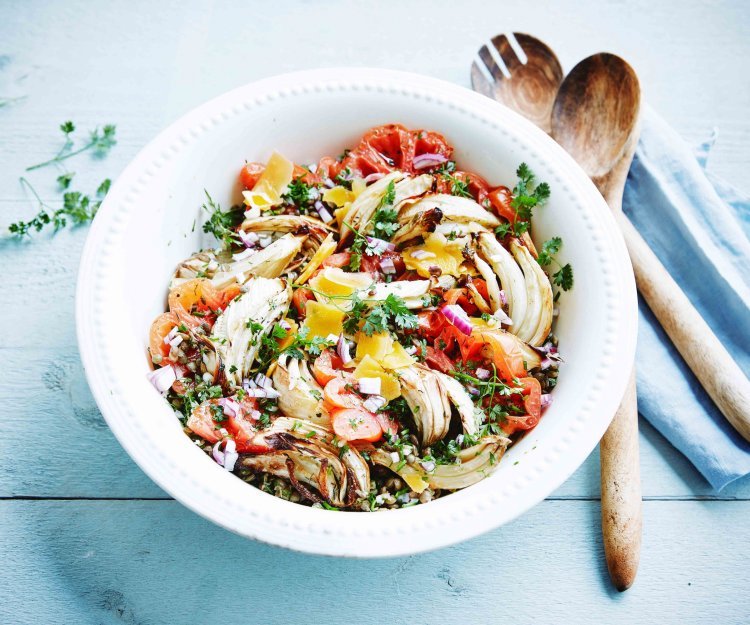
pixel 77 208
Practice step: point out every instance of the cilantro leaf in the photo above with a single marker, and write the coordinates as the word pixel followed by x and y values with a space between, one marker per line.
pixel 549 249
pixel 564 277
pixel 222 223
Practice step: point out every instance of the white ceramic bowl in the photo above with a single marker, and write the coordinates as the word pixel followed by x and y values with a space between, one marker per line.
pixel 146 226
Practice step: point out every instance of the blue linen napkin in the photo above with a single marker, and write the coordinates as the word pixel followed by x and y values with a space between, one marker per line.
pixel 699 226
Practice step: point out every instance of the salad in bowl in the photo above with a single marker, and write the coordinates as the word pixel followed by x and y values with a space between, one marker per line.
pixel 371 331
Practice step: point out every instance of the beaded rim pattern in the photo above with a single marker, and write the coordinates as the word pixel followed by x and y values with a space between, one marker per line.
pixel 445 521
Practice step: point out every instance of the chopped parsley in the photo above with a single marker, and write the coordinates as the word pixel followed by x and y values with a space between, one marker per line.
pixel 222 223
pixel 563 277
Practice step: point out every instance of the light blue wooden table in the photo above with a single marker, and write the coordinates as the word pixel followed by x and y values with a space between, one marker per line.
pixel 85 537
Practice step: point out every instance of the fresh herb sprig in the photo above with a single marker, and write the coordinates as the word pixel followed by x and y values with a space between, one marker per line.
pixel 222 223
pixel 100 142
pixel 391 314
pixel 527 195
pixel 563 277
pixel 77 208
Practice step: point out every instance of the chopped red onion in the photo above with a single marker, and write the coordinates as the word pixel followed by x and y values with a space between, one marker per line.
pixel 378 246
pixel 170 336
pixel 473 390
pixel 422 254
pixel 428 465
pixel 218 454
pixel 162 378
pixel 255 415
pixel 369 386
pixel 373 177
pixel 284 324
pixel 546 400
pixel 263 381
pixel 423 161
pixel 329 183
pixel 375 402
pixel 323 212
pixel 249 239
pixel 502 317
pixel 342 349
pixel 265 240
pixel 228 457
pixel 457 317
pixel 545 364
pixel 175 342
pixel 313 193
pixel 230 406
pixel 387 266
pixel 270 393
pixel 503 298
pixel 483 374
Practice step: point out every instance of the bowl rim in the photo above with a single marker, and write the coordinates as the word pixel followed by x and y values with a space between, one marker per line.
pixel 314 533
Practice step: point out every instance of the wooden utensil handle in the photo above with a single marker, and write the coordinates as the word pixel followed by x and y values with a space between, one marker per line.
pixel 621 491
pixel 709 360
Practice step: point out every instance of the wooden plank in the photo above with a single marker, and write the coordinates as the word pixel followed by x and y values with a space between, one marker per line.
pixel 156 562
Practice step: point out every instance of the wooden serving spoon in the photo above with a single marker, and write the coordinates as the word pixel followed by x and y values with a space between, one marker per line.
pixel 595 118
pixel 541 76
pixel 599 99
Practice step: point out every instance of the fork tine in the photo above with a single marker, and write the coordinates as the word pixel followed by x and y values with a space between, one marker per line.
pixel 479 81
pixel 490 64
pixel 506 52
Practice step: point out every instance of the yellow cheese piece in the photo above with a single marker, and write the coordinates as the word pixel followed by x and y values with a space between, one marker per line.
pixel 358 185
pixel 290 334
pixel 326 248
pixel 337 282
pixel 376 346
pixel 340 196
pixel 272 183
pixel 396 358
pixel 415 481
pixel 442 253
pixel 369 368
pixel 322 319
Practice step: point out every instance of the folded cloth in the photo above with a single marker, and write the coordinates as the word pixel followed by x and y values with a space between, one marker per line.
pixel 699 227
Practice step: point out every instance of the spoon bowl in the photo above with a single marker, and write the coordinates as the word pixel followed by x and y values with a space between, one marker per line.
pixel 595 114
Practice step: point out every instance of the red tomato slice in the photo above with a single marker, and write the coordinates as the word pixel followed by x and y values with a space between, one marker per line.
pixel 500 199
pixel 438 360
pixel 250 173
pixel 372 263
pixel 395 143
pixel 356 424
pixel 341 259
pixel 337 394
pixel 388 424
pixel 326 367
pixel 429 142
pixel 160 327
pixel 300 299
pixel 201 421
pixel 430 323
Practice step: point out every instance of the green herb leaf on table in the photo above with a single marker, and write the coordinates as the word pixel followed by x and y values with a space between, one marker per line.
pixel 100 142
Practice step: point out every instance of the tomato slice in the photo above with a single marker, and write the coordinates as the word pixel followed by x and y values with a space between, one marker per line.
pixel 461 297
pixel 201 421
pixel 371 264
pixel 160 327
pixel 500 199
pixel 342 259
pixel 356 424
pixel 250 173
pixel 300 299
pixel 429 142
pixel 326 367
pixel 388 423
pixel 438 360
pixel 337 394
pixel 532 403
pixel 395 143
pixel 430 323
